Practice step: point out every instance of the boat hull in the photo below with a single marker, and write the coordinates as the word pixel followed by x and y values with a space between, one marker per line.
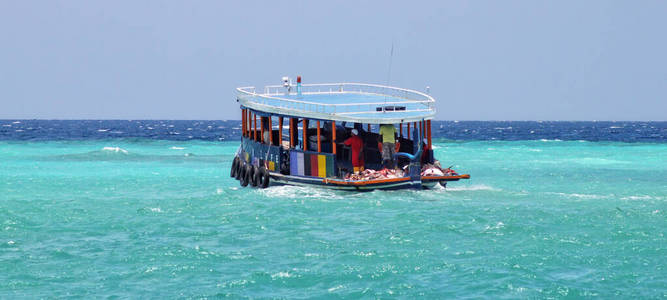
pixel 429 182
pixel 317 171
pixel 366 185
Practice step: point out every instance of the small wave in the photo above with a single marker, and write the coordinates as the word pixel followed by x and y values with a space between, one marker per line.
pixel 641 197
pixel 547 140
pixel 364 254
pixel 281 275
pixel 335 288
pixel 598 161
pixel 104 154
pixel 115 149
pixel 239 255
pixel 476 187
pixel 299 192
pixel 498 225
pixel 102 130
pixel 177 148
pixel 581 196
pixel 16 122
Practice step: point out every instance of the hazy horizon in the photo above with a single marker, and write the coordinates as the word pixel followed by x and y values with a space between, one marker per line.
pixel 511 60
pixel 443 120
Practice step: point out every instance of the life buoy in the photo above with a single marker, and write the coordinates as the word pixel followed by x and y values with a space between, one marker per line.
pixel 244 175
pixel 264 177
pixel 253 176
pixel 235 166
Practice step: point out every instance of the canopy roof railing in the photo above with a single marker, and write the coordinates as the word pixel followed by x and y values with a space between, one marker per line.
pixel 351 102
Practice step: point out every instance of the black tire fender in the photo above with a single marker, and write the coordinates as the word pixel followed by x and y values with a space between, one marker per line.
pixel 258 176
pixel 264 173
pixel 242 174
pixel 247 176
pixel 253 176
pixel 235 166
pixel 239 169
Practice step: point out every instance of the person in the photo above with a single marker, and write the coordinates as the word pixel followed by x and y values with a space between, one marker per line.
pixel 388 133
pixel 356 145
pixel 425 152
pixel 267 137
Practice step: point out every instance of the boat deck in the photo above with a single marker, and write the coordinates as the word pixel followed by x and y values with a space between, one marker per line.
pixel 352 102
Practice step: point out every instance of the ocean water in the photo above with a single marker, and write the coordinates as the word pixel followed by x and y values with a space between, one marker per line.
pixel 115 209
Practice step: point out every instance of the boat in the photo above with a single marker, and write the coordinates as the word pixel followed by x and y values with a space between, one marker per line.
pixel 293 134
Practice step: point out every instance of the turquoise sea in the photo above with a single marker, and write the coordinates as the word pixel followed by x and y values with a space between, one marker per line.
pixel 161 218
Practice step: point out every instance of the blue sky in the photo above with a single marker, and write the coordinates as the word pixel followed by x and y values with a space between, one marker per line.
pixel 484 60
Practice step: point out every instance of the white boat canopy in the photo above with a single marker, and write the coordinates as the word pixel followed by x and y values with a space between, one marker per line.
pixel 348 102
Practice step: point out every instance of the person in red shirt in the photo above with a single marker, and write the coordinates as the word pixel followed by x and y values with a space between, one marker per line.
pixel 425 148
pixel 356 144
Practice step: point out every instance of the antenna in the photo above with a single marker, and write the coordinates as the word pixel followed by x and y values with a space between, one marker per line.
pixel 391 57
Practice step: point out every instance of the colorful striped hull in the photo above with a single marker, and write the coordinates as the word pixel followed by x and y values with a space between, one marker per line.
pixel 311 164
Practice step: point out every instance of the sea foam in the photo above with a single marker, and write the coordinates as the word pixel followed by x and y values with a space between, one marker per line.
pixel 115 149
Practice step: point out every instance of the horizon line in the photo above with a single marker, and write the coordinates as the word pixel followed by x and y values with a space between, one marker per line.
pixel 445 120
